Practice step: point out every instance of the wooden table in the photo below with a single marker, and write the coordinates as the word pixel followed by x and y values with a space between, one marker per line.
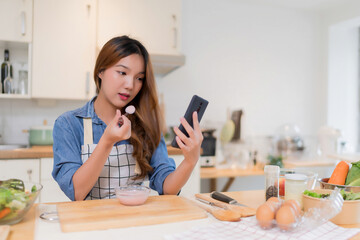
pixel 25 229
pixel 213 173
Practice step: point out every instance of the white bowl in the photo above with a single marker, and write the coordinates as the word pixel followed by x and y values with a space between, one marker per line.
pixel 132 195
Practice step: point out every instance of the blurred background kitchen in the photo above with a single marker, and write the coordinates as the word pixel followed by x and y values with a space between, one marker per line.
pixel 281 77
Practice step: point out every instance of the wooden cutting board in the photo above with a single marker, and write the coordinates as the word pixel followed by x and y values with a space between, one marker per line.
pixel 110 213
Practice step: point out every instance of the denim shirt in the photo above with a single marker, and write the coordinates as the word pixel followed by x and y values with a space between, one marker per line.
pixel 68 134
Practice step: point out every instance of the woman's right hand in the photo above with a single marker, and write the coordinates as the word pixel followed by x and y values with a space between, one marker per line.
pixel 113 133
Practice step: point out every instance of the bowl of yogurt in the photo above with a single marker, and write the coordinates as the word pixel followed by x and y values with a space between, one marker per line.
pixel 132 195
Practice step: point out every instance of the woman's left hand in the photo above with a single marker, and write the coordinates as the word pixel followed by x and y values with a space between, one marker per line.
pixel 191 145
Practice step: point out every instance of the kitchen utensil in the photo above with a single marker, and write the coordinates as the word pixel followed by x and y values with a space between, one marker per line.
pixel 109 213
pixel 244 211
pixel 41 135
pixel 325 185
pixel 128 110
pixel 208 200
pixel 132 195
pixel 227 132
pixel 221 214
pixel 222 197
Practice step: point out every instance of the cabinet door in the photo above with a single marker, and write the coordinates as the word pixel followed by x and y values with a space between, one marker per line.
pixel 16 20
pixel 155 23
pixel 24 169
pixel 51 191
pixel 64 48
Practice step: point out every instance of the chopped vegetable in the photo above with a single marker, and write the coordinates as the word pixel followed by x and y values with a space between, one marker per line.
pixel 14 198
pixel 316 195
pixel 4 212
pixel 350 195
pixel 339 174
pixel 354 174
pixel 346 195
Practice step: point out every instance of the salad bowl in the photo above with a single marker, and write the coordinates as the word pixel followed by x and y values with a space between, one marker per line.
pixel 16 199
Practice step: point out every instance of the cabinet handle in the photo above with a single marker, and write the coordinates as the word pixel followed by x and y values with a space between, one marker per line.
pixel 87 83
pixel 29 172
pixel 23 23
pixel 175 31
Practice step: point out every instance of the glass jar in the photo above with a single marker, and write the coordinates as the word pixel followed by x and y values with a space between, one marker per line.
pixel 272 174
pixel 295 185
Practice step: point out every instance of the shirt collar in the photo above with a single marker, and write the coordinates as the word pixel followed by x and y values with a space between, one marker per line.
pixel 88 111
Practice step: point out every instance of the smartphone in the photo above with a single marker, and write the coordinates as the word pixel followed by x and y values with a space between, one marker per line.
pixel 197 104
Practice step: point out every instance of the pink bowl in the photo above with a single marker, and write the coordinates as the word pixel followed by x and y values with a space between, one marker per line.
pixel 132 195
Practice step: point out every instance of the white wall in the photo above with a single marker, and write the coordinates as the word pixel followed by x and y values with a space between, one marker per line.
pixel 261 58
pixel 341 25
pixel 239 54
pixel 17 115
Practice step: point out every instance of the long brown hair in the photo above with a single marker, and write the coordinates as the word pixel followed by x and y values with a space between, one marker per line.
pixel 146 122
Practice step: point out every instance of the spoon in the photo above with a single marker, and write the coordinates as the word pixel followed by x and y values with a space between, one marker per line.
pixel 128 110
pixel 222 214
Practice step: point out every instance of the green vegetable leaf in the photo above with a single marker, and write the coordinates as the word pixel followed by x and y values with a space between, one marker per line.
pixel 353 174
pixel 33 189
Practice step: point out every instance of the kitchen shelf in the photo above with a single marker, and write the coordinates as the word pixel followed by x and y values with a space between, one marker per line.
pixel 14 96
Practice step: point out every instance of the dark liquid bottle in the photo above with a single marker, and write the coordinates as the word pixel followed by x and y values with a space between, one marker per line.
pixel 5 69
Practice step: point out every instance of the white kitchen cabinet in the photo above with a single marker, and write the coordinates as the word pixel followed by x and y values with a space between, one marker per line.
pixel 16 20
pixel 64 48
pixel 51 191
pixel 155 23
pixel 24 169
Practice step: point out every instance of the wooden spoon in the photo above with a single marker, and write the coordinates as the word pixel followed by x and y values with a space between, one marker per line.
pixel 243 211
pixel 221 213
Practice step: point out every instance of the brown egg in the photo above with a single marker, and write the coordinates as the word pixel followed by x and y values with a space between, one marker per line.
pixel 276 202
pixel 265 214
pixel 286 217
pixel 273 199
pixel 294 204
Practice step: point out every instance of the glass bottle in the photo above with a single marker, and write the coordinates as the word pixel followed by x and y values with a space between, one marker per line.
pixel 8 84
pixel 272 174
pixel 5 66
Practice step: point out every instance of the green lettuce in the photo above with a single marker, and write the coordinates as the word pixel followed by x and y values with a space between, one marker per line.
pixel 353 174
pixel 350 195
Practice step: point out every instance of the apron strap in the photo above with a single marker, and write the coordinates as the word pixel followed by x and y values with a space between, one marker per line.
pixel 88 131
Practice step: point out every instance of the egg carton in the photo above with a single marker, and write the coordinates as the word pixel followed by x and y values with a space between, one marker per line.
pixel 274 213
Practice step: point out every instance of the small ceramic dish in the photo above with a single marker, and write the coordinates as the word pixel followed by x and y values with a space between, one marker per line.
pixel 132 195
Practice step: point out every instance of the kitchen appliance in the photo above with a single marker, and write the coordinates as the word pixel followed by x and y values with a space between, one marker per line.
pixel 288 141
pixel 208 158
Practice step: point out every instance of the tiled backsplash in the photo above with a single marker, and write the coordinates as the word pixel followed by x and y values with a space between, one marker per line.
pixel 17 115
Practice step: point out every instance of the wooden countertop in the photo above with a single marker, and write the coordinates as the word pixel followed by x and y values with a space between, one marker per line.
pixel 47 152
pixel 32 152
pixel 214 172
pixel 25 229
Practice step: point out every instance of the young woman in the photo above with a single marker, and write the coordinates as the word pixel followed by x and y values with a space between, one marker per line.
pixel 93 153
